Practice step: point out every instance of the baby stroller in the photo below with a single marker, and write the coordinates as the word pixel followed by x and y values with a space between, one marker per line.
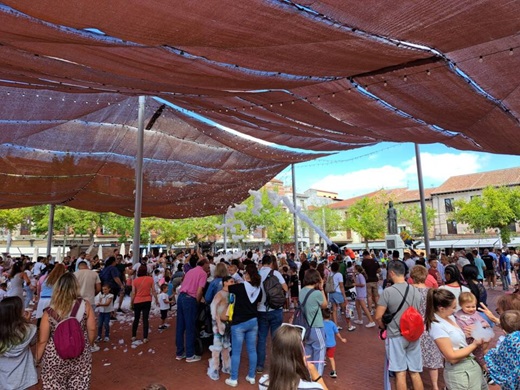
pixel 203 329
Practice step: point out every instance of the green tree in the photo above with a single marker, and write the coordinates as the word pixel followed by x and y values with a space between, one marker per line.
pixel 496 208
pixel 281 229
pixel 327 219
pixel 10 219
pixel 367 217
pixel 411 216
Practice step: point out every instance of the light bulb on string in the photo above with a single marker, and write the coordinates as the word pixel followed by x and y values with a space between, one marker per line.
pixel 428 72
pixel 405 78
pixel 385 83
pixel 511 51
pixel 481 59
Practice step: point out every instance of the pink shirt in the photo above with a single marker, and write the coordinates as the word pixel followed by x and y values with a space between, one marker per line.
pixel 194 279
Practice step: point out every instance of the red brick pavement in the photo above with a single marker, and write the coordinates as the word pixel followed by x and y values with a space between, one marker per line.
pixel 359 362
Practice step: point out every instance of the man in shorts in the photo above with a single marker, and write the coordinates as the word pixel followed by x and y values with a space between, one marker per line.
pixel 402 355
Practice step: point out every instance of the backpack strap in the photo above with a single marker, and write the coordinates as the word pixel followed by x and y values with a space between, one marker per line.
pixel 402 302
pixel 303 307
pixel 75 308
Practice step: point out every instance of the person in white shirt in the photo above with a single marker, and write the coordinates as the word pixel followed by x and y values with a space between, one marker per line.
pixel 461 370
pixel 104 305
pixel 164 305
pixel 268 318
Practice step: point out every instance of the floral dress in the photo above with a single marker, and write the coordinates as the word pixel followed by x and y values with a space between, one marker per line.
pixel 66 374
pixel 432 357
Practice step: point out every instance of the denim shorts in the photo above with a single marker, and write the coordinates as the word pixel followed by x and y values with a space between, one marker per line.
pixel 336 297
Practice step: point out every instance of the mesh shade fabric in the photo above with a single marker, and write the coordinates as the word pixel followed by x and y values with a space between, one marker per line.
pixel 317 76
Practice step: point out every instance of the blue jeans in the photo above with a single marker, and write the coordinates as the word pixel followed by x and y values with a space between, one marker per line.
pixel 315 347
pixel 244 331
pixel 270 320
pixel 186 318
pixel 505 280
pixel 103 321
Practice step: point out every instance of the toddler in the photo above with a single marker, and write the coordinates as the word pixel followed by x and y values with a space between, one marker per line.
pixel 164 305
pixel 221 331
pixel 105 305
pixel 502 361
pixel 331 330
pixel 468 316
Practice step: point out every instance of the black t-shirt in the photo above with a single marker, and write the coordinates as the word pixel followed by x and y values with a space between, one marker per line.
pixel 488 260
pixel 244 309
pixel 304 267
pixel 371 267
pixel 121 268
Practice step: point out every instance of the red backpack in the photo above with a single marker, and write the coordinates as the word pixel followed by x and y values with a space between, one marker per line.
pixel 411 324
pixel 68 336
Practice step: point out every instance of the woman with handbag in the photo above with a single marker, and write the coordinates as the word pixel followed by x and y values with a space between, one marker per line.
pixel 59 373
pixel 244 325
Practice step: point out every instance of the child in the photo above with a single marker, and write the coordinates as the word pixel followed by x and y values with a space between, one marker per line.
pixel 164 305
pixel 293 286
pixel 221 332
pixel 331 330
pixel 105 305
pixel 502 361
pixel 17 370
pixel 468 316
pixel 361 297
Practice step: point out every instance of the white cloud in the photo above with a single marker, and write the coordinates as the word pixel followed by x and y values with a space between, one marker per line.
pixel 439 167
pixel 363 181
pixel 436 169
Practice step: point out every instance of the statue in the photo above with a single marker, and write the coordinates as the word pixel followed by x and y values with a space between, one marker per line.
pixel 391 216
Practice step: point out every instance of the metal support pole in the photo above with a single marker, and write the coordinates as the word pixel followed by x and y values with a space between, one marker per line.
pixel 423 202
pixel 324 227
pixel 138 182
pixel 50 230
pixel 225 233
pixel 295 218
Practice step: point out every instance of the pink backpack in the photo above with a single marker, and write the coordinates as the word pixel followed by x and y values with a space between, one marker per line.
pixel 68 337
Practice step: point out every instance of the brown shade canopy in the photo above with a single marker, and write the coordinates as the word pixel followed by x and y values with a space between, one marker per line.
pixel 304 79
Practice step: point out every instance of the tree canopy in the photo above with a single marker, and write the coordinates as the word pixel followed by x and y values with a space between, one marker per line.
pixel 497 208
pixel 367 217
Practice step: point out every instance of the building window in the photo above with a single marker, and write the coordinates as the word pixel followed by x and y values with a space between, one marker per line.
pixel 448 205
pixel 452 226
pixel 512 226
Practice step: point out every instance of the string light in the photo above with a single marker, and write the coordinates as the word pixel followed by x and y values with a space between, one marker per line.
pixel 511 51
pixel 481 59
pixel 428 72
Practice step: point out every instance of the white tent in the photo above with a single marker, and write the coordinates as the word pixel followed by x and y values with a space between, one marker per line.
pixel 35 254
pixel 100 252
pixel 122 251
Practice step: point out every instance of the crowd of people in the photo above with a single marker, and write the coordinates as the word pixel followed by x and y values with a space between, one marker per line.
pixel 245 299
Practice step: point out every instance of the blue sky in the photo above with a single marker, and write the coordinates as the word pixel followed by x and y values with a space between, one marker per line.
pixel 391 165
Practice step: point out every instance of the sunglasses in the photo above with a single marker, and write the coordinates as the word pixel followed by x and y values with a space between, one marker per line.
pixel 300 328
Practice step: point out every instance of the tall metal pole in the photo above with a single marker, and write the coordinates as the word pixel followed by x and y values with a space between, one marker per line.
pixel 138 182
pixel 423 201
pixel 225 233
pixel 50 229
pixel 296 249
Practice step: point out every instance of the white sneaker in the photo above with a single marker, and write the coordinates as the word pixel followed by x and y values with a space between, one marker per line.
pixel 94 348
pixel 351 328
pixel 370 325
pixel 250 380
pixel 231 382
pixel 359 322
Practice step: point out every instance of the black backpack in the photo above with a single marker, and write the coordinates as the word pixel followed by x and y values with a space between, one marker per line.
pixel 274 292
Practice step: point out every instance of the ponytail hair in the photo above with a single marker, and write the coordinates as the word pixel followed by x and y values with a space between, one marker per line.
pixel 254 277
pixel 361 270
pixel 436 299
